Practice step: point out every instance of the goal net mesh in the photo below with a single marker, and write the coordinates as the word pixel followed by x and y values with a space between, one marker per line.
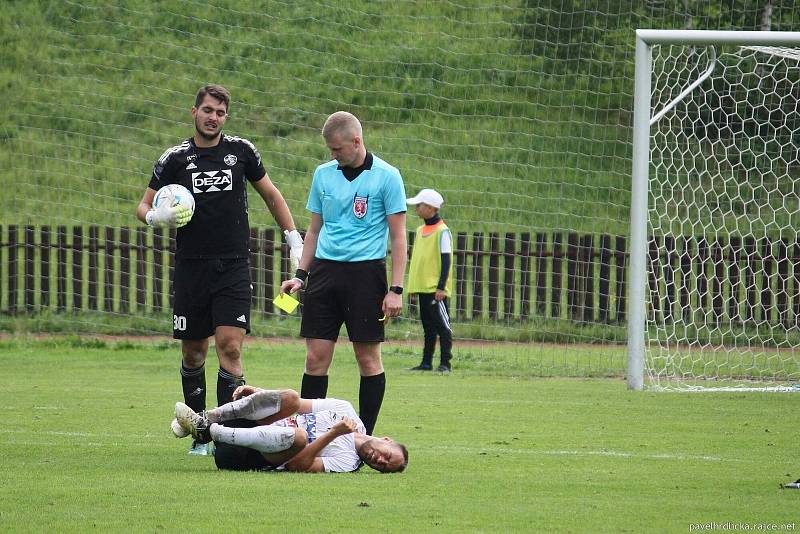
pixel 723 288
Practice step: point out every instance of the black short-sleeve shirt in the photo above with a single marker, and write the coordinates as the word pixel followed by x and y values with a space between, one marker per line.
pixel 217 177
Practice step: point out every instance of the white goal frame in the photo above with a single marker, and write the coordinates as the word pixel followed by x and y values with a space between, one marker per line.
pixel 644 118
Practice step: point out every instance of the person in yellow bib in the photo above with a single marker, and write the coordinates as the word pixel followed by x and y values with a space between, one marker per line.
pixel 429 277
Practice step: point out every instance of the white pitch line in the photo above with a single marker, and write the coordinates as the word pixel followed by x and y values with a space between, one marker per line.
pixel 470 450
pixel 604 452
pixel 146 435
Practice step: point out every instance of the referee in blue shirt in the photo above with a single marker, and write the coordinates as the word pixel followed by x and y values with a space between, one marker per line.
pixel 356 201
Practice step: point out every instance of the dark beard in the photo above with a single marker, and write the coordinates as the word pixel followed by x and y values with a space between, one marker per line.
pixel 207 137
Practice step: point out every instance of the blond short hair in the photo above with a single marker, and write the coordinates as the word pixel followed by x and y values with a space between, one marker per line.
pixel 342 123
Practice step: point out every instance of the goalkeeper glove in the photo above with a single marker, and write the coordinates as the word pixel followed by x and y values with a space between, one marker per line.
pixel 166 215
pixel 295 242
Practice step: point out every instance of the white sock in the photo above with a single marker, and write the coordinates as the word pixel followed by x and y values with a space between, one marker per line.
pixel 257 406
pixel 265 438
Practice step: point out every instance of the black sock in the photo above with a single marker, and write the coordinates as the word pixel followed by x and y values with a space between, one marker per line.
pixel 314 387
pixel 226 383
pixel 194 387
pixel 370 398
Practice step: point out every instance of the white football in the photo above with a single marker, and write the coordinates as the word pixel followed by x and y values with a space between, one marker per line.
pixel 178 430
pixel 175 195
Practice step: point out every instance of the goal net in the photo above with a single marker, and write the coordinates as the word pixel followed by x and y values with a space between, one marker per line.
pixel 719 258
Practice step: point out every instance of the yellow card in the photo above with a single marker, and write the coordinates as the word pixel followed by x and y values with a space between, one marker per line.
pixel 286 302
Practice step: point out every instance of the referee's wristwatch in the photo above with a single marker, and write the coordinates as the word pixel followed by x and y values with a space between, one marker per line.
pixel 397 290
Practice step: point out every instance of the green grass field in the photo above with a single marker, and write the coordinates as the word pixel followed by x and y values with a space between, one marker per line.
pixel 86 447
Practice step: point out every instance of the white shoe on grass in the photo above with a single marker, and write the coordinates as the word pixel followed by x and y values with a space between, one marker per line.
pixel 194 423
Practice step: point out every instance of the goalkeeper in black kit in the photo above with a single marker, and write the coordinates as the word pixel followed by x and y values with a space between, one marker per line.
pixel 212 287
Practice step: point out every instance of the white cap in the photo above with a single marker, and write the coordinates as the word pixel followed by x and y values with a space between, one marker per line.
pixel 427 196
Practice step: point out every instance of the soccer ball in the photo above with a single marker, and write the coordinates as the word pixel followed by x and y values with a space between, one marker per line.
pixel 177 430
pixel 175 195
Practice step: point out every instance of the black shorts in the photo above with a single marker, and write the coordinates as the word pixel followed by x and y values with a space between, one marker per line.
pixel 210 293
pixel 238 458
pixel 345 292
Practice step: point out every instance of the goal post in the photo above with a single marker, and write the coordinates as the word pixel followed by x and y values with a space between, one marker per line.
pixel 714 210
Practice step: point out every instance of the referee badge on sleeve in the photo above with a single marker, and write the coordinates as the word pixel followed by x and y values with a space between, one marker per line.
pixel 360 206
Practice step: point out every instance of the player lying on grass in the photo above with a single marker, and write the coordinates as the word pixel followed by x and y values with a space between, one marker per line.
pixel 267 430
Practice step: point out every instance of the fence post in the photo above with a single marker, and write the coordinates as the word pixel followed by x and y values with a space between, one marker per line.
pixel 749 278
pixel 588 286
pixel 654 267
pixel 766 285
pixel 555 304
pixel 13 262
pixel 141 269
pixel 494 273
pixel 61 270
pixel 525 275
pixel 734 277
pixel 124 269
pixel 622 261
pixel 572 284
pixel 702 278
pixel 108 269
pixel 461 274
pixel 30 249
pixel 541 274
pixel 783 283
pixel 477 275
pixel 605 278
pixel 44 267
pixel 718 303
pixel 509 256
pixel 669 276
pixel 77 268
pixel 93 249
pixel 686 279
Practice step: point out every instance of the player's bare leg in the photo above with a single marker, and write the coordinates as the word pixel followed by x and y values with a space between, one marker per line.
pixel 228 342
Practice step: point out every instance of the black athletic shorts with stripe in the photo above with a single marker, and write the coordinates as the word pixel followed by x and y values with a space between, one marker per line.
pixel 209 293
pixel 345 292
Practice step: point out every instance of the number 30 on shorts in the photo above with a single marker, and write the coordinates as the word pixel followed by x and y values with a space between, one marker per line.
pixel 178 322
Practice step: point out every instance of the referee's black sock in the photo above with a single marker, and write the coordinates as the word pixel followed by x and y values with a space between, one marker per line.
pixel 370 398
pixel 226 384
pixel 314 387
pixel 194 387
